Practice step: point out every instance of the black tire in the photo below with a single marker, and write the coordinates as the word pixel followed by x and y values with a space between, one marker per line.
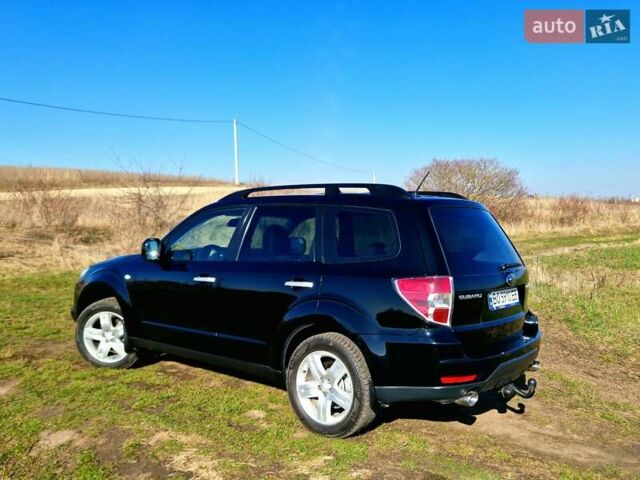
pixel 362 411
pixel 105 305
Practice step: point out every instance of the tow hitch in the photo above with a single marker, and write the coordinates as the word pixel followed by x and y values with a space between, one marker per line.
pixel 510 390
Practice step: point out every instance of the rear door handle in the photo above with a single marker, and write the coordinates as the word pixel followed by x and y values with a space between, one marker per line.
pixel 204 279
pixel 298 284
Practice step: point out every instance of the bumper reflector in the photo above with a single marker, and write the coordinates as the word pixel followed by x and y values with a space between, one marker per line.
pixel 458 379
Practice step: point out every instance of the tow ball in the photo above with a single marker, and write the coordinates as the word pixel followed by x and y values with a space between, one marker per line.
pixel 510 390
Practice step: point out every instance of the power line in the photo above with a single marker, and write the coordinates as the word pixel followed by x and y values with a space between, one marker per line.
pixel 113 114
pixel 186 120
pixel 299 152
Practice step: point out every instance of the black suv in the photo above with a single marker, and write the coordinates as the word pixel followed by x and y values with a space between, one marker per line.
pixel 359 297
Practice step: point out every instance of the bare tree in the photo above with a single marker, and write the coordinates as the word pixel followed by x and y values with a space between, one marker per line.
pixel 145 206
pixel 483 179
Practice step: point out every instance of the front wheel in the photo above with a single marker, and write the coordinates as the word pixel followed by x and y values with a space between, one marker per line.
pixel 330 386
pixel 101 334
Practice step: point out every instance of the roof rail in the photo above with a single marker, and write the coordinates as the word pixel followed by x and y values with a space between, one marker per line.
pixel 376 189
pixel 441 194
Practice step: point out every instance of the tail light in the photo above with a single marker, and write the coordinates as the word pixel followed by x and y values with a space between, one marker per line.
pixel 431 297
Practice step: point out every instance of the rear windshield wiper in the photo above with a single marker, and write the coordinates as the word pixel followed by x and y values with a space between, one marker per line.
pixel 506 266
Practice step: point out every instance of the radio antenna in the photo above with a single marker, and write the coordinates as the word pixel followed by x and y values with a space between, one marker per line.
pixel 422 181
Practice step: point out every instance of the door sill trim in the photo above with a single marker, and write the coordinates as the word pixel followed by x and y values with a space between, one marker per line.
pixel 224 336
pixel 213 359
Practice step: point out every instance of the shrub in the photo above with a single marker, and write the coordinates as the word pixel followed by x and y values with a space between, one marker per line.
pixel 571 210
pixel 484 180
pixel 43 204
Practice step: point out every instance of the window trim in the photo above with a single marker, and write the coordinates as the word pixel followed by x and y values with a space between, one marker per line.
pixel 251 222
pixel 330 243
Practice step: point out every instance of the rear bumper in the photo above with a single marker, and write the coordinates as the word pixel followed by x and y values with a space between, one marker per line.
pixel 505 373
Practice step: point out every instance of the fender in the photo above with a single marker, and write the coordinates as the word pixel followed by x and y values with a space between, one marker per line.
pixel 103 283
pixel 317 316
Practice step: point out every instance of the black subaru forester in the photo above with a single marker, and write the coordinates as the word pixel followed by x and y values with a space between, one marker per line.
pixel 360 296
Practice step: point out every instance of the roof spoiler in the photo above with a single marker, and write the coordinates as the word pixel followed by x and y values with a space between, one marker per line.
pixel 440 194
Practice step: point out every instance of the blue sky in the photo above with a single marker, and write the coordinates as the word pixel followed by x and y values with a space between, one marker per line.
pixel 382 86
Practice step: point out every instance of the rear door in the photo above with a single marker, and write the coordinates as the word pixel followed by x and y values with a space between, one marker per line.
pixel 277 268
pixel 489 279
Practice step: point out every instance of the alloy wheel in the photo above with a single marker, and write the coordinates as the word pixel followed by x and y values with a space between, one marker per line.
pixel 324 388
pixel 103 337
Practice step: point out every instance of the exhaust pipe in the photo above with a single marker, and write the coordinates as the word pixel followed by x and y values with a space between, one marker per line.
pixel 469 399
pixel 535 366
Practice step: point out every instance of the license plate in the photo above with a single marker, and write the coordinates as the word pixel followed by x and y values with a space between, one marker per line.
pixel 503 299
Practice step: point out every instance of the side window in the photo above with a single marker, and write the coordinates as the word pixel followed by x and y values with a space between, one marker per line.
pixel 363 234
pixel 210 239
pixel 281 234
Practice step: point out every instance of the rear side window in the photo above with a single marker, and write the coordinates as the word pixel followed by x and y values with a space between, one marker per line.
pixel 281 234
pixel 473 242
pixel 362 234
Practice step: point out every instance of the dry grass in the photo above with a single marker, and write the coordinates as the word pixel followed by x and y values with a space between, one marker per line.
pixel 78 178
pixel 591 281
pixel 49 218
pixel 573 214
pixel 55 218
pixel 106 226
pixel 40 204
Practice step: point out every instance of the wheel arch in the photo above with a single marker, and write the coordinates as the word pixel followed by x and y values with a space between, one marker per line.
pixel 103 285
pixel 313 318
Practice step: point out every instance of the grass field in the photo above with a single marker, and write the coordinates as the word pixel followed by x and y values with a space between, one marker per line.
pixel 62 418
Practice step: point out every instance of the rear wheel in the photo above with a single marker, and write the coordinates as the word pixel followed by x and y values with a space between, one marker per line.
pixel 101 334
pixel 330 386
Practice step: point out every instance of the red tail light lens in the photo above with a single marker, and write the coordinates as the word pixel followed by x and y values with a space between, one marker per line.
pixel 458 379
pixel 432 297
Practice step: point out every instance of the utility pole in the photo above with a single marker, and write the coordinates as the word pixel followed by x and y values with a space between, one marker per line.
pixel 374 176
pixel 236 166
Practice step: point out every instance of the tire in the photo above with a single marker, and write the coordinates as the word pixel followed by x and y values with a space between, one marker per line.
pixel 101 335
pixel 329 385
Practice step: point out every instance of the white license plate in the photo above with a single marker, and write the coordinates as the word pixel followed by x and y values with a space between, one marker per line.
pixel 503 299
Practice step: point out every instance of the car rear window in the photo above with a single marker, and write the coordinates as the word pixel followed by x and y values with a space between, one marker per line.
pixel 473 242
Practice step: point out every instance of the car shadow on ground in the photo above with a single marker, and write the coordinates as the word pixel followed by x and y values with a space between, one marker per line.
pixel 160 358
pixel 437 412
pixel 431 411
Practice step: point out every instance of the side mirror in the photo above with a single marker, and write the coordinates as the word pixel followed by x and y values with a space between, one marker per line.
pixel 298 246
pixel 151 249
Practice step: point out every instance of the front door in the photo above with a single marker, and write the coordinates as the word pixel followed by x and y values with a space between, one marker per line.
pixel 177 298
